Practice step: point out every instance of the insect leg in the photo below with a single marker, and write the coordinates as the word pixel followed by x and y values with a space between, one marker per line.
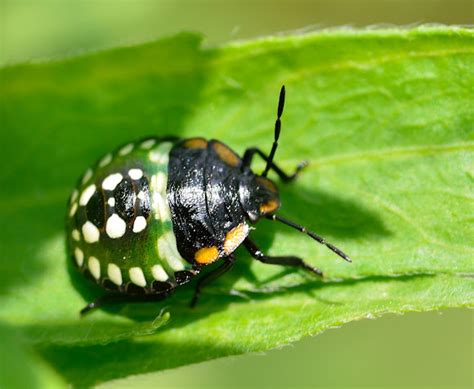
pixel 284 261
pixel 211 276
pixel 119 298
pixel 285 177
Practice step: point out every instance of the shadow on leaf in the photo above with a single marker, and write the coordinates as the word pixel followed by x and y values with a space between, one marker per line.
pixel 89 365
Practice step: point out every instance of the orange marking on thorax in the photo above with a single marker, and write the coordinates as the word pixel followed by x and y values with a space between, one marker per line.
pixel 195 143
pixel 226 155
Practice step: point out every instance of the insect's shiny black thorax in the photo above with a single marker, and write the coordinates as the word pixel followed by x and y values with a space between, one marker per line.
pixel 212 193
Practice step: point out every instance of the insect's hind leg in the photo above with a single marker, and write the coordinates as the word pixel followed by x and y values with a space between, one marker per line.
pixel 284 260
pixel 120 298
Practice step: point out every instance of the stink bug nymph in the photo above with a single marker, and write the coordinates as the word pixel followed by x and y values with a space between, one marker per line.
pixel 150 216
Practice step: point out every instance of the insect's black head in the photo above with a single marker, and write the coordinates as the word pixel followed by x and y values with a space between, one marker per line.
pixel 258 195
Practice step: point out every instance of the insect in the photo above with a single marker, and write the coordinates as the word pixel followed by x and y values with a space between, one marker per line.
pixel 150 216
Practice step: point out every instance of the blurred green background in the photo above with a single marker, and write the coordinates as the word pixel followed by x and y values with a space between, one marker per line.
pixel 417 350
pixel 42 29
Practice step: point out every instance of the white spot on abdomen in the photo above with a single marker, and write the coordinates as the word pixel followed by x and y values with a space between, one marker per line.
pixel 141 196
pixel 168 251
pixel 74 196
pixel 135 174
pixel 159 273
pixel 111 181
pixel 114 273
pixel 76 235
pixel 126 149
pixel 115 226
pixel 111 202
pixel 73 210
pixel 79 256
pixel 148 144
pixel 139 224
pixel 87 194
pixel 137 276
pixel 105 160
pixel 94 267
pixel 91 232
pixel 87 176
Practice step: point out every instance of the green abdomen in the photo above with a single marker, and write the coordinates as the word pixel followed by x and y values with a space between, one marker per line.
pixel 119 222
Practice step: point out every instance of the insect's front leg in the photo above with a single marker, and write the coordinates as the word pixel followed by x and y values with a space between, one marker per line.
pixel 227 263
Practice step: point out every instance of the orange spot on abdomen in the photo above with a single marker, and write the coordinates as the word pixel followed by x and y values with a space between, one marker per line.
pixel 206 255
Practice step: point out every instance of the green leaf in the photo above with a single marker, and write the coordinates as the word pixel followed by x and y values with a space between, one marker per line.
pixel 386 119
pixel 20 367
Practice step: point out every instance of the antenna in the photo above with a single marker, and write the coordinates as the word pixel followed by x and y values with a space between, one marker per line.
pixel 311 234
pixel 281 104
